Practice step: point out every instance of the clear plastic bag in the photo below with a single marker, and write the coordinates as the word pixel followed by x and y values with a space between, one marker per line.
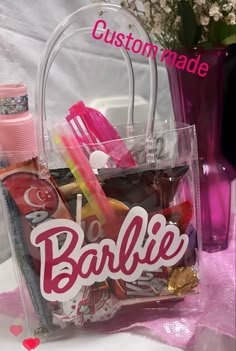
pixel 122 238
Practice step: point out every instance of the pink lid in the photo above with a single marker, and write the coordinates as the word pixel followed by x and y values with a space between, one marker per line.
pixel 12 90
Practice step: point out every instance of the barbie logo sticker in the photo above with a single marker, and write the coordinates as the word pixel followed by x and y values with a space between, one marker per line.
pixel 142 245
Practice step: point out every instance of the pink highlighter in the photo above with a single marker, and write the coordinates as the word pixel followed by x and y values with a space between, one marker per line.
pixel 99 130
pixel 73 155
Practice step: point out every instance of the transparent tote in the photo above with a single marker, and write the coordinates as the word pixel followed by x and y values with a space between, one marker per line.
pixel 113 234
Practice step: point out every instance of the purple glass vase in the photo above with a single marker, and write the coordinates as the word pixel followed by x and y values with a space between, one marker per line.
pixel 199 100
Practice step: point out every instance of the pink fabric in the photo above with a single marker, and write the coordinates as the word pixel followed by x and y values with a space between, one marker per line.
pixel 10 304
pixel 179 329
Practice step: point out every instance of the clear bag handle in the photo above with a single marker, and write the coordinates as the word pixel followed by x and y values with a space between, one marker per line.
pixel 125 53
pixel 45 63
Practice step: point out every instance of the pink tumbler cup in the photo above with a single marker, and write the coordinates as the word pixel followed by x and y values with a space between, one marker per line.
pixel 17 129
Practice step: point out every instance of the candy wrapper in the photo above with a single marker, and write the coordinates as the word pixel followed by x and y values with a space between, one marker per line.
pixel 30 201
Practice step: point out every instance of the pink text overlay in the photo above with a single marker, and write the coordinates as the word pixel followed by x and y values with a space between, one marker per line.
pixel 137 46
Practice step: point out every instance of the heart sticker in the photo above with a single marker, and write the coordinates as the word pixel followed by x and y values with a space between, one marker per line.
pixel 16 329
pixel 31 344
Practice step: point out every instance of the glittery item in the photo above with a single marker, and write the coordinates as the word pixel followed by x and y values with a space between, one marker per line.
pixel 72 310
pixel 183 280
pixel 13 105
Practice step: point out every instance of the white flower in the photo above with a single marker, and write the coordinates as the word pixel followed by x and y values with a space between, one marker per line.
pixel 156 29
pixel 178 19
pixel 214 9
pixel 200 2
pixel 204 20
pixel 233 3
pixel 227 7
pixel 163 3
pixel 231 18
pixel 217 17
pixel 215 12
pixel 147 9
pixel 167 9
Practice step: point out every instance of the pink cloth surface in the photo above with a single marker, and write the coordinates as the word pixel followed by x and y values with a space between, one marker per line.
pixel 180 328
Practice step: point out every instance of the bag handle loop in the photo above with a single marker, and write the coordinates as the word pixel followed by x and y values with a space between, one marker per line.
pixel 125 54
pixel 47 62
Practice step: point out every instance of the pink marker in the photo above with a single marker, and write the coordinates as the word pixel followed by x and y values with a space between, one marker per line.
pixel 101 131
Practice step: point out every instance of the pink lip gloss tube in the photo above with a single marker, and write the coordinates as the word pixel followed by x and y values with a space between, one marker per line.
pixel 17 128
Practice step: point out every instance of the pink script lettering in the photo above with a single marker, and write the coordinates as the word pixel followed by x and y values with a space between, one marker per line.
pixel 64 270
